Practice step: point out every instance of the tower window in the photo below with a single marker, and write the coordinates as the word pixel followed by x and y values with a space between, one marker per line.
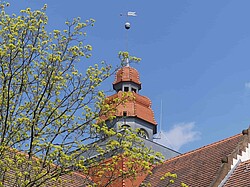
pixel 124 113
pixel 143 134
pixel 126 89
pixel 134 90
pixel 124 127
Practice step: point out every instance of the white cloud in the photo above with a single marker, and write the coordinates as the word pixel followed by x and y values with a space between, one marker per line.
pixel 247 85
pixel 179 135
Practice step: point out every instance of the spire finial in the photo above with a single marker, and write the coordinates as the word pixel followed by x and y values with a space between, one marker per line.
pixel 127 62
pixel 127 25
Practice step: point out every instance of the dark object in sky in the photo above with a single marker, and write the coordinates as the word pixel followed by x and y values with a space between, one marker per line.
pixel 127 25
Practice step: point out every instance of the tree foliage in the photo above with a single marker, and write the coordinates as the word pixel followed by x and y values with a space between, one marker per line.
pixel 50 112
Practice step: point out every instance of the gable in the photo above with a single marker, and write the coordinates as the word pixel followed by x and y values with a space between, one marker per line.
pixel 196 168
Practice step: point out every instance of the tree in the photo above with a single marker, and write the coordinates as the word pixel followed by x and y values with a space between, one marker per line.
pixel 50 112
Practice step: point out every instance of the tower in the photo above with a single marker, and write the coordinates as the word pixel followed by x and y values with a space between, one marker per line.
pixel 136 112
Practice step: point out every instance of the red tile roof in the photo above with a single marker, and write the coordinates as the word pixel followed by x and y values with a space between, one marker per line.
pixel 136 106
pixel 240 176
pixel 199 167
pixel 127 74
pixel 74 179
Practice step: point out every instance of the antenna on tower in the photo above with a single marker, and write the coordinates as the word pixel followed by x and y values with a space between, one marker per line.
pixel 159 134
pixel 127 27
pixel 161 117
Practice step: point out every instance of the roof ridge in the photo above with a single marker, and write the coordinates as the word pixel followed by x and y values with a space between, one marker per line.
pixel 206 146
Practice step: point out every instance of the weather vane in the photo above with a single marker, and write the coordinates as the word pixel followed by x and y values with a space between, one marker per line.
pixel 127 27
pixel 128 14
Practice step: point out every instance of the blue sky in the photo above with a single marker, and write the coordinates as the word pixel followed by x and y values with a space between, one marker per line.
pixel 195 58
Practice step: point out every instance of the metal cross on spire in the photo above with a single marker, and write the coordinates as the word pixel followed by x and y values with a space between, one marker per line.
pixel 127 27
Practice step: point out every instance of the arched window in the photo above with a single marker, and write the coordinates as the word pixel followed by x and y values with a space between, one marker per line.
pixel 125 127
pixel 143 133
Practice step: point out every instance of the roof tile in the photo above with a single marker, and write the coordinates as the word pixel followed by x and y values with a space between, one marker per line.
pixel 241 176
pixel 198 167
pixel 136 105
pixel 127 74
